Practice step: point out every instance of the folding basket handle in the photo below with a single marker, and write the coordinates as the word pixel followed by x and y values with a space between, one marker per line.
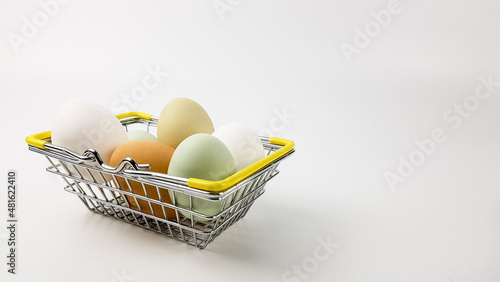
pixel 37 139
pixel 126 162
pixel 134 114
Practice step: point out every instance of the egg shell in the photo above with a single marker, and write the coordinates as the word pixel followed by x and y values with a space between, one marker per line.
pixel 201 156
pixel 80 125
pixel 181 118
pixel 134 135
pixel 158 156
pixel 243 143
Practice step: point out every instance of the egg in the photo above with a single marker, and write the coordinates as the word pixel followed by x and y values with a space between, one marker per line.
pixel 134 135
pixel 158 156
pixel 201 156
pixel 81 124
pixel 181 118
pixel 243 143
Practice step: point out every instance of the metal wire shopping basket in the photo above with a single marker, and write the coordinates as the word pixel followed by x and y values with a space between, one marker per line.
pixel 108 190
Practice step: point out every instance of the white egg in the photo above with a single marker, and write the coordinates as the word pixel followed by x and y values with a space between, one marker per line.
pixel 80 125
pixel 243 143
pixel 137 135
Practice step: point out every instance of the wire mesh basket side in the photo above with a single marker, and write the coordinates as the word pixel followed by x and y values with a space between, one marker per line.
pixel 155 204
pixel 110 199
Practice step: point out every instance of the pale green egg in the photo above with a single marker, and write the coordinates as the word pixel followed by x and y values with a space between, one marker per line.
pixel 201 156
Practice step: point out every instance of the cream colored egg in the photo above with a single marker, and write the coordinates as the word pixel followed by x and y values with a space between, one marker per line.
pixel 80 125
pixel 181 118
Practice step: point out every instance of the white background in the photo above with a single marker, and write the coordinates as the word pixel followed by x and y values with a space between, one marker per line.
pixel 351 122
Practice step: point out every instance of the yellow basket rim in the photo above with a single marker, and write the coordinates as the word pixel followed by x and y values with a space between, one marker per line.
pixel 37 140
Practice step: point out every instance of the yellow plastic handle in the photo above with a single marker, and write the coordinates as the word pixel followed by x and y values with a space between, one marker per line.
pixel 37 139
pixel 221 185
pixel 134 114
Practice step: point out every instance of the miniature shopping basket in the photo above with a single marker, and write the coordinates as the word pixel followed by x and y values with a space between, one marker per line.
pixel 110 190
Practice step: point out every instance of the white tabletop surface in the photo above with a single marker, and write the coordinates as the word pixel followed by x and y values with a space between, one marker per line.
pixel 359 96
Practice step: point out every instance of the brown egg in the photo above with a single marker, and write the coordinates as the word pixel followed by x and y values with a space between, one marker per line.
pixel 156 154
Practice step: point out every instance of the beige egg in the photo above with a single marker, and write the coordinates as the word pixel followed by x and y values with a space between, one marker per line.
pixel 181 118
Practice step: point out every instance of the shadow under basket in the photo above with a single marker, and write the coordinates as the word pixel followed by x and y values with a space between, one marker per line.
pixel 131 193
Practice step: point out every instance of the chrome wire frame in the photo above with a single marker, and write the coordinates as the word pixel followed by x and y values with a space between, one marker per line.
pixel 108 191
